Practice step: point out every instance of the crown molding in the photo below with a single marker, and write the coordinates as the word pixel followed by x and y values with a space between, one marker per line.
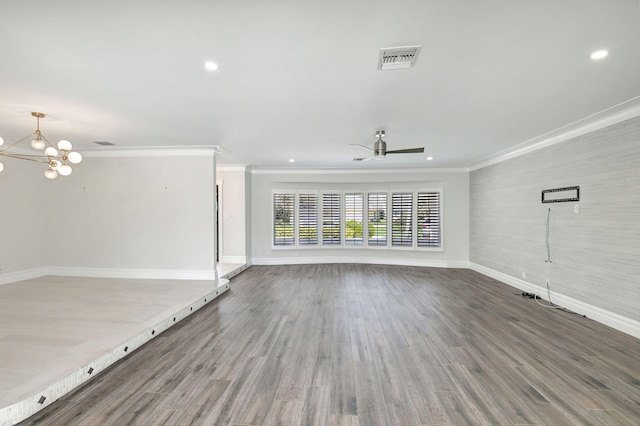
pixel 610 116
pixel 233 167
pixel 165 151
pixel 318 171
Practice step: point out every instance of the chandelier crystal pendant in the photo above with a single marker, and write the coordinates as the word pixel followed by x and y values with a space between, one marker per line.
pixel 58 159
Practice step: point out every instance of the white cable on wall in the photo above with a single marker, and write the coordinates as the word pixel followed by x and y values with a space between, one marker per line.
pixel 550 305
pixel 547 237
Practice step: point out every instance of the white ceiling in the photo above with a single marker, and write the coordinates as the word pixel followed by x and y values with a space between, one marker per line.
pixel 298 79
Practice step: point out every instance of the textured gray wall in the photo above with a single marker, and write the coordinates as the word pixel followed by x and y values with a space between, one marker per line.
pixel 595 253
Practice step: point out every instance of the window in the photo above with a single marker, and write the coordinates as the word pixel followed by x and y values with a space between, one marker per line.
pixel 337 219
pixel 283 216
pixel 429 219
pixel 377 219
pixel 331 216
pixel 353 212
pixel 307 219
pixel 402 219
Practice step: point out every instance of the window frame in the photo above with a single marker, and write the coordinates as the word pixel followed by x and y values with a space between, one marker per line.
pixel 318 222
pixel 386 244
pixel 412 213
pixel 339 196
pixel 365 245
pixel 363 219
pixel 440 246
pixel 273 220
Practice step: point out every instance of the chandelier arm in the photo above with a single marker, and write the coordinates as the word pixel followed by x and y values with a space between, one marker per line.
pixel 28 157
pixel 47 141
pixel 17 142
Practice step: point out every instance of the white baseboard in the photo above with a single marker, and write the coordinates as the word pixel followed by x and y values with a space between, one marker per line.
pixel 611 319
pixel 362 260
pixel 157 274
pixel 26 274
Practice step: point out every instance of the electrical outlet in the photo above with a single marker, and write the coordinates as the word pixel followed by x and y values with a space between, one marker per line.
pixel 576 208
pixel 524 275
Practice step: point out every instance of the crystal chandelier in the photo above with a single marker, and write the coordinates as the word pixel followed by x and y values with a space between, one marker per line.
pixel 59 160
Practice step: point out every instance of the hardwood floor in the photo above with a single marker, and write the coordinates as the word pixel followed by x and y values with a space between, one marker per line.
pixel 367 345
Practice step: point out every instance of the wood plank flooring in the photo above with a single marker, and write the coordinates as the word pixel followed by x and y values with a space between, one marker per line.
pixel 367 345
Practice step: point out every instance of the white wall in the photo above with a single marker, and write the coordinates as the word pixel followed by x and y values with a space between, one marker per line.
pixel 142 216
pixel 248 195
pixel 137 213
pixel 455 185
pixel 24 215
pixel 594 252
pixel 234 213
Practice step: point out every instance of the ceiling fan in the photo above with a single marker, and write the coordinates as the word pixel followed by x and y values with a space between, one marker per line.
pixel 380 149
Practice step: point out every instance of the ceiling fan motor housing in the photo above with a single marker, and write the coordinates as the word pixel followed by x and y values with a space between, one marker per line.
pixel 380 148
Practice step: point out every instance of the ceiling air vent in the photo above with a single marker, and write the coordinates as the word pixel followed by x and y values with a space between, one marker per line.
pixel 393 58
pixel 104 143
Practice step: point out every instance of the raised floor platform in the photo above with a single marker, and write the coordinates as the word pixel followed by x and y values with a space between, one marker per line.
pixel 58 332
pixel 230 270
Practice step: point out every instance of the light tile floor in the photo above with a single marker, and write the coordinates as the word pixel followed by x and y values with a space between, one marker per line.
pixel 52 326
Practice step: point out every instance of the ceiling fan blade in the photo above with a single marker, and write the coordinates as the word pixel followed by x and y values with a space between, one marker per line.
pixel 364 158
pixel 406 151
pixel 361 146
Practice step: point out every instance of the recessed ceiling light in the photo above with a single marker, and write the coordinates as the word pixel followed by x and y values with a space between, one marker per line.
pixel 599 54
pixel 291 160
pixel 211 66
pixel 429 158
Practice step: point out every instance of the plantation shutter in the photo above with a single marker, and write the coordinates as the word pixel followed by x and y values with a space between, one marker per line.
pixel 283 219
pixel 353 216
pixel 377 218
pixel 429 219
pixel 402 217
pixel 331 215
pixel 307 219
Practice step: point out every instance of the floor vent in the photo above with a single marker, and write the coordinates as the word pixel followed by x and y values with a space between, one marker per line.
pixel 394 58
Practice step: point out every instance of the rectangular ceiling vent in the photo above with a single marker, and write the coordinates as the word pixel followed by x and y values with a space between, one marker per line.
pixel 394 58
pixel 104 143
